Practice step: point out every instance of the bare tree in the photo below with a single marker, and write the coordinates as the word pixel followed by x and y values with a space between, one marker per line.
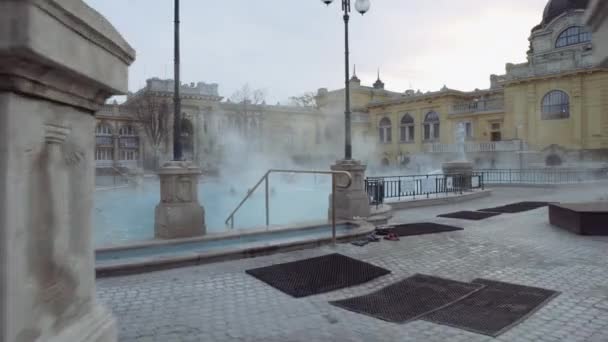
pixel 247 95
pixel 153 114
pixel 305 100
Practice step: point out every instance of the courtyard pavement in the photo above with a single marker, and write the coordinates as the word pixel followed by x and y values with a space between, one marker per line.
pixel 219 302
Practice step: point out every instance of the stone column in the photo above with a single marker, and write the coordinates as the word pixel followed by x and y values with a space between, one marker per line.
pixel 59 62
pixel 179 214
pixel 597 20
pixel 353 201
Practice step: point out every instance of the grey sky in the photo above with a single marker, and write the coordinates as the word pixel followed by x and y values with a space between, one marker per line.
pixel 288 47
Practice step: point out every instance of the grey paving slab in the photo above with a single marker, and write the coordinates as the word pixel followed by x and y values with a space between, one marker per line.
pixel 219 302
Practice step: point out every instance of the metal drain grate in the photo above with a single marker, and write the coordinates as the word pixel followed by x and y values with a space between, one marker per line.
pixel 421 229
pixel 317 275
pixel 470 215
pixel 410 298
pixel 516 207
pixel 494 309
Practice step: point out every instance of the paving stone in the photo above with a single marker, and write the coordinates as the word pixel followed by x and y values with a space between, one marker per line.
pixel 219 302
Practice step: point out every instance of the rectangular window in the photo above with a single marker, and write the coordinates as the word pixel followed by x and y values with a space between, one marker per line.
pixel 381 135
pixel 496 127
pixel 468 129
pixel 436 131
pixel 411 133
pixel 403 134
pixel 427 132
pixel 388 134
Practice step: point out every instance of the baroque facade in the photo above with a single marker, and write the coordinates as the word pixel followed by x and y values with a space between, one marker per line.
pixel 550 110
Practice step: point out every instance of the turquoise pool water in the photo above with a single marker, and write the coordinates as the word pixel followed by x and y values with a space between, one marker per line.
pixel 224 244
pixel 127 215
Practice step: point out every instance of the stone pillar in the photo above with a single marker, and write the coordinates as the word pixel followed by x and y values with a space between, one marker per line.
pixel 179 214
pixel 59 62
pixel 353 201
pixel 597 20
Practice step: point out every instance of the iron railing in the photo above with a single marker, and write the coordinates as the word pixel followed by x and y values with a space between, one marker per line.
pixel 266 180
pixel 542 176
pixel 412 187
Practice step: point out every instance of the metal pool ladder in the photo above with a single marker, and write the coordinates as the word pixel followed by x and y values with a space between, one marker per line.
pixel 230 220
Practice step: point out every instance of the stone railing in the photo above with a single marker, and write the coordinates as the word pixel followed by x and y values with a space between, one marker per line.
pixel 494 146
pixel 478 106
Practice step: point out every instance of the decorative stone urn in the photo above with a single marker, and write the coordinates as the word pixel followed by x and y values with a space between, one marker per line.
pixel 179 214
pixel 351 202
pixel 463 169
pixel 59 62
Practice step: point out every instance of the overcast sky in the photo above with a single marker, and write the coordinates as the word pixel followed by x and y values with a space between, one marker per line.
pixel 288 47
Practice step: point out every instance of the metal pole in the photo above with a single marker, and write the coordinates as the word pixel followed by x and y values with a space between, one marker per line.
pixel 177 110
pixel 333 209
pixel 267 207
pixel 347 124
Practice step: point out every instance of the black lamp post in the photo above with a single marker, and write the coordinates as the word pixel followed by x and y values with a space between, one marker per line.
pixel 177 115
pixel 362 6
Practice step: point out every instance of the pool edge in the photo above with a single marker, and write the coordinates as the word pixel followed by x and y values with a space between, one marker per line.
pixel 153 265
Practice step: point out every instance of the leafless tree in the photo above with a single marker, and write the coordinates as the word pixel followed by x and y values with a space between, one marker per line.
pixel 247 95
pixel 153 115
pixel 305 100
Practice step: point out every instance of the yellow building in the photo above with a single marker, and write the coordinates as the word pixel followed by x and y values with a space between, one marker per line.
pixel 553 109
pixel 550 110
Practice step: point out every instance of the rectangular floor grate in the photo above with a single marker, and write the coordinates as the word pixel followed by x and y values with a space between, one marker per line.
pixel 422 228
pixel 470 215
pixel 494 309
pixel 409 299
pixel 317 275
pixel 516 207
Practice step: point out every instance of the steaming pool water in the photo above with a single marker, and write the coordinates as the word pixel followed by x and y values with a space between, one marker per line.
pixel 126 215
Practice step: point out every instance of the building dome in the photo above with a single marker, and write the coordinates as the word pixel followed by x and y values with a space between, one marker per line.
pixel 555 8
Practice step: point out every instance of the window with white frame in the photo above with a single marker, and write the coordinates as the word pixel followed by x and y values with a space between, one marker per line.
pixel 385 130
pixel 556 105
pixel 407 128
pixel 573 35
pixel 431 126
pixel 102 153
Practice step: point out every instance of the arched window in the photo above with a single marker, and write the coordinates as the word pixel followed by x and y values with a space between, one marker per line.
pixel 385 131
pixel 573 35
pixel 556 105
pixel 104 143
pixel 553 160
pixel 431 126
pixel 407 128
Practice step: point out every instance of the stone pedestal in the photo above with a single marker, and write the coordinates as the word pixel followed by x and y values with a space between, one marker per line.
pixel 59 62
pixel 179 214
pixel 352 202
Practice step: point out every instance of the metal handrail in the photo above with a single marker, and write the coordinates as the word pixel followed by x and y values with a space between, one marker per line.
pixel 230 220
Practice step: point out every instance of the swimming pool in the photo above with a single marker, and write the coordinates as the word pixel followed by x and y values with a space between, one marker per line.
pixel 126 215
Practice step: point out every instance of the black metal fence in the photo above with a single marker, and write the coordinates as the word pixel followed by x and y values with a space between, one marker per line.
pixel 542 176
pixel 420 186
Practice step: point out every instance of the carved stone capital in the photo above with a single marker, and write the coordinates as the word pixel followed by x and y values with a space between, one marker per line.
pixel 63 51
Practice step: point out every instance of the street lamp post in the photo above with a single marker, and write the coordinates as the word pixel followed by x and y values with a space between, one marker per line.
pixel 177 109
pixel 362 6
pixel 354 201
pixel 179 213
